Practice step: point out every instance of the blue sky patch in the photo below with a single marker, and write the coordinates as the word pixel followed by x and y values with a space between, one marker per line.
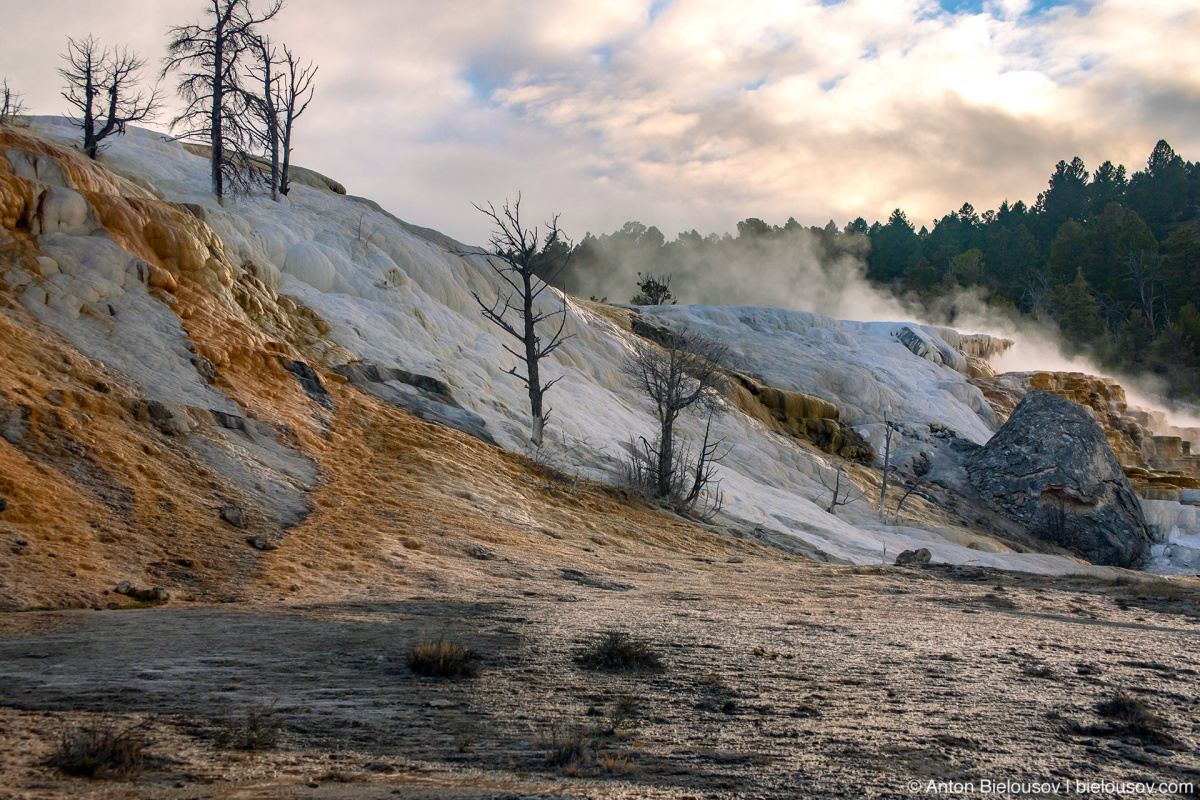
pixel 482 81
pixel 979 6
pixel 831 84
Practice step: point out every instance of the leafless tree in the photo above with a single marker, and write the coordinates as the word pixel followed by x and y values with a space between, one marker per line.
pixel 295 93
pixel 517 255
pixel 685 372
pixel 887 457
pixel 263 70
pixel 1035 294
pixel 10 103
pixel 694 488
pixel 921 468
pixel 208 60
pixel 102 86
pixel 1144 270
pixel 842 490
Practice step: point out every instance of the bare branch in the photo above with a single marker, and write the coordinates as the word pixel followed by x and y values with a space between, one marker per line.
pixel 10 103
pixel 685 372
pixel 514 259
pixel 209 58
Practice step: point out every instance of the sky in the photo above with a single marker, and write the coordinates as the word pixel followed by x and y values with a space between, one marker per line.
pixel 694 113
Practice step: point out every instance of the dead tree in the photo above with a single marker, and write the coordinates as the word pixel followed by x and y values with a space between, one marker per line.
pixel 102 86
pixel 842 489
pixel 683 373
pixel 516 258
pixel 703 473
pixel 295 93
pixel 208 61
pixel 1143 269
pixel 887 457
pixel 266 105
pixel 921 469
pixel 10 103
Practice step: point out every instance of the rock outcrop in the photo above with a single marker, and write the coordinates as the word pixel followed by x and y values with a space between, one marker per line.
pixel 1157 458
pixel 1051 469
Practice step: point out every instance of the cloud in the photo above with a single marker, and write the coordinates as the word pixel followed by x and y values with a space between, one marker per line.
pixel 698 113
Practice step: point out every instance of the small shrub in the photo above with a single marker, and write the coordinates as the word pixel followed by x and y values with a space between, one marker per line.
pixel 570 748
pixel 625 710
pixel 729 706
pixel 464 742
pixel 1134 716
pixel 101 749
pixel 442 659
pixel 620 651
pixel 615 765
pixel 334 776
pixel 1038 671
pixel 255 728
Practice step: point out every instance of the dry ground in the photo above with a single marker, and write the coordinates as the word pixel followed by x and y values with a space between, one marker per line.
pixel 781 679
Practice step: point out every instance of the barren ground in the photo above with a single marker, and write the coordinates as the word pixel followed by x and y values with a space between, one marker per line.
pixel 781 679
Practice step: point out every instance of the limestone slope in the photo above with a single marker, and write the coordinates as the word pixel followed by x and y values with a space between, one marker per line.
pixel 253 355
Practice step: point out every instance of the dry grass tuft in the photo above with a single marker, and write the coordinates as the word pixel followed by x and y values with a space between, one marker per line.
pixel 620 652
pixel 1135 717
pixel 101 749
pixel 256 728
pixel 442 659
pixel 570 748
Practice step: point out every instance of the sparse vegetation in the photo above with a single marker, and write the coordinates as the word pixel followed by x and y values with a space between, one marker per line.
pixel 624 711
pixel 615 765
pixel 102 749
pixel 569 748
pixel 10 103
pixel 254 728
pixel 1133 716
pixel 616 650
pixel 1039 671
pixel 654 290
pixel 678 374
pixel 102 87
pixel 526 263
pixel 843 490
pixel 442 659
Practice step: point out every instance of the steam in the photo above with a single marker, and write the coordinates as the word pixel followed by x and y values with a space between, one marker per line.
pixel 796 271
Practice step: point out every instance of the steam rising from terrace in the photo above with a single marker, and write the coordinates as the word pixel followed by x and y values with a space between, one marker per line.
pixel 824 271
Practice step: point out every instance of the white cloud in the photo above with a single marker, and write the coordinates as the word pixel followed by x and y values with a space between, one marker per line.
pixel 709 113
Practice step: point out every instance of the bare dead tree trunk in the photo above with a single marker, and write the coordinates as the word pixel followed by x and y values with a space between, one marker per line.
pixel 208 61
pixel 515 260
pixel 10 103
pixel 887 459
pixel 92 72
pixel 839 499
pixel 921 470
pixel 703 477
pixel 1142 269
pixel 296 92
pixel 685 372
pixel 267 107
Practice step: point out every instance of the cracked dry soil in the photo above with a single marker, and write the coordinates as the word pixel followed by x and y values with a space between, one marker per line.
pixel 779 680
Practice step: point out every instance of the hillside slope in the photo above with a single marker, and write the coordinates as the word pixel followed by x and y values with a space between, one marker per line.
pixel 169 361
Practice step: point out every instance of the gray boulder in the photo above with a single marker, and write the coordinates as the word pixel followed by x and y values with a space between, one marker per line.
pixel 914 558
pixel 1051 469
